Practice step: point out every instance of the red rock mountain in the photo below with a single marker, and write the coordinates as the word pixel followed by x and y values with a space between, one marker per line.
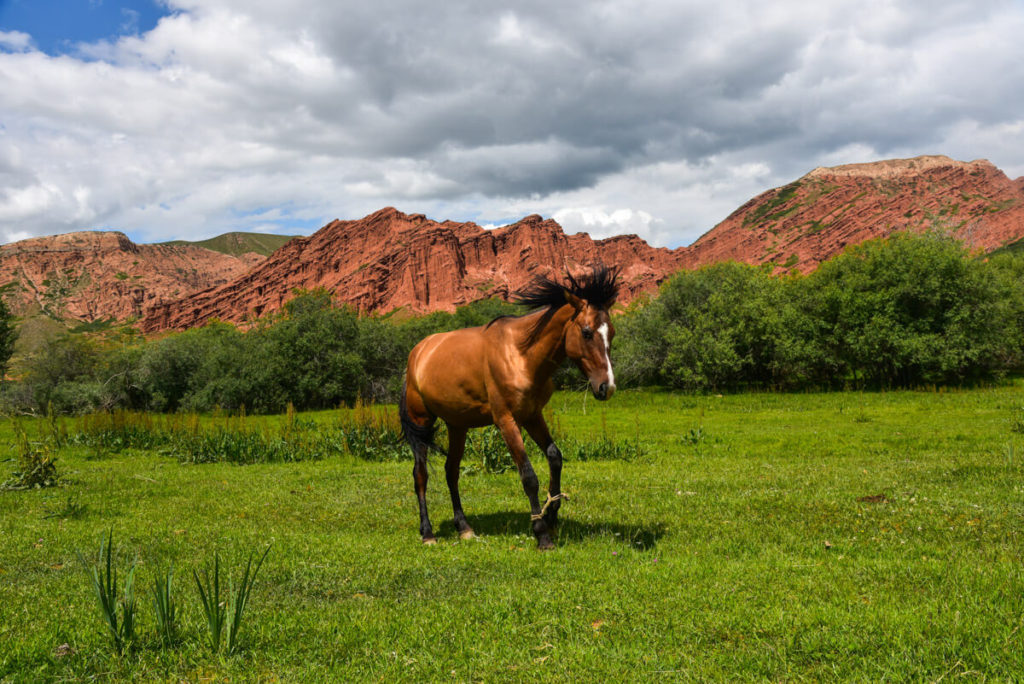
pixel 390 259
pixel 91 276
pixel 806 222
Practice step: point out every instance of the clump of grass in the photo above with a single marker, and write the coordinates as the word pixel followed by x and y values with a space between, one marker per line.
pixel 487 452
pixel 1017 420
pixel 226 614
pixel 241 598
pixel 36 464
pixel 115 431
pixel 694 437
pixel 70 509
pixel 214 609
pixel 369 432
pixel 602 448
pixel 104 583
pixel 165 608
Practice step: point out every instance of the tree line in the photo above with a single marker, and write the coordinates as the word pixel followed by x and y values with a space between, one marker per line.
pixel 906 311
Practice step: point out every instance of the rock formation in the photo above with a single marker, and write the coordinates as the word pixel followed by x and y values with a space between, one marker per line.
pixel 389 260
pixel 90 276
pixel 810 220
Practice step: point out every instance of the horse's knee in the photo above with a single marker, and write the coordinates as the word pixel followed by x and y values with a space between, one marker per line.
pixel 554 455
pixel 529 477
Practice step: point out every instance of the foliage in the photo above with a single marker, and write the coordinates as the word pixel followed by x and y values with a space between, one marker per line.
pixel 8 336
pixel 36 463
pixel 486 452
pixel 906 311
pixel 240 598
pixel 104 583
pixel 71 509
pixel 164 607
pixel 909 311
pixel 215 610
pixel 226 614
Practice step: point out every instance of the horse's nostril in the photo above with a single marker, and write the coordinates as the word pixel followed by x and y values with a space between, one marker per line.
pixel 603 389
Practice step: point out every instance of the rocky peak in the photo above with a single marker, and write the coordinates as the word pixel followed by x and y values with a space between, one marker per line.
pixel 79 241
pixel 805 222
pixel 896 168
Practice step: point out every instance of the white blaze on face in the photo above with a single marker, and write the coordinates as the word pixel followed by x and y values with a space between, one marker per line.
pixel 603 332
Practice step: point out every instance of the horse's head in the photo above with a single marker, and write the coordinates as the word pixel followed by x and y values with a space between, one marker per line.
pixel 588 342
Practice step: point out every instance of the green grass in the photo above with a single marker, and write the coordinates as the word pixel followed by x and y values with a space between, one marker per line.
pixel 759 537
pixel 239 243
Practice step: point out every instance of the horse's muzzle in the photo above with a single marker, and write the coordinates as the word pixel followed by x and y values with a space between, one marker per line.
pixel 604 391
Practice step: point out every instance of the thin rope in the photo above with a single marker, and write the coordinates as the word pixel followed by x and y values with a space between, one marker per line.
pixel 551 500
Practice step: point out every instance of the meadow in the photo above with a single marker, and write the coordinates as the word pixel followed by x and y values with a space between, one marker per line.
pixel 868 536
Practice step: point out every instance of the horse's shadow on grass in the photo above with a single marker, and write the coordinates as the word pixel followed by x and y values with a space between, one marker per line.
pixel 641 537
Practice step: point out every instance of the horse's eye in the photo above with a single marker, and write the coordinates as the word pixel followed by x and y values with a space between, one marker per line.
pixel 588 334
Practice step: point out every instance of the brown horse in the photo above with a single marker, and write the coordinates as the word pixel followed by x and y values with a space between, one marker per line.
pixel 500 373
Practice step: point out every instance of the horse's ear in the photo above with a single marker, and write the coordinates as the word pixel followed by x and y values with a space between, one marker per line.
pixel 575 301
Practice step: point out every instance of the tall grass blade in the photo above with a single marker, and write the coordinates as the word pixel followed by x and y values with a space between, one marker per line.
pixel 128 610
pixel 165 608
pixel 104 583
pixel 241 598
pixel 213 607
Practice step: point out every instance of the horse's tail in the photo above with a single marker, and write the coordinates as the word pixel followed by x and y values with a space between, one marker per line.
pixel 419 437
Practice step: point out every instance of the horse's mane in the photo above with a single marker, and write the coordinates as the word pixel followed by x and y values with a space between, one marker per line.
pixel 599 288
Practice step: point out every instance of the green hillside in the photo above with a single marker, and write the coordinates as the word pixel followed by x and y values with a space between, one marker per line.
pixel 239 243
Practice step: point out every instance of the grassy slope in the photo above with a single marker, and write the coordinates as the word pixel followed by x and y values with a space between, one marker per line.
pixel 706 560
pixel 239 243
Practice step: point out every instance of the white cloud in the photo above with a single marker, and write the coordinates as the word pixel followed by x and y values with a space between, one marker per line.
pixel 15 41
pixel 658 118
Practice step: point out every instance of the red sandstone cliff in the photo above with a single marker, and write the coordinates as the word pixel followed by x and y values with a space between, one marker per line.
pixel 390 259
pixel 806 222
pixel 89 276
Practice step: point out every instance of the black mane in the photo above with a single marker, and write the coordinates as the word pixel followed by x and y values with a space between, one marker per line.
pixel 599 288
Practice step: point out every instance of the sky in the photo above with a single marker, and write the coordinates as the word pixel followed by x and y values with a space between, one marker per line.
pixel 184 119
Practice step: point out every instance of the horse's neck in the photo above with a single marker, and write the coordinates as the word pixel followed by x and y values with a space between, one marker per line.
pixel 547 352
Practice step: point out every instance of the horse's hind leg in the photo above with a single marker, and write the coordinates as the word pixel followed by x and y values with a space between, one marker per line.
pixel 456 447
pixel 419 476
pixel 418 426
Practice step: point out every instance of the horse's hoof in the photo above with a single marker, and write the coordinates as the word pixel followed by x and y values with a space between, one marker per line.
pixel 467 534
pixel 429 541
pixel 545 545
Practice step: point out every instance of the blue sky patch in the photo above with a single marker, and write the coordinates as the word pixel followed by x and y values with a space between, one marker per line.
pixel 57 26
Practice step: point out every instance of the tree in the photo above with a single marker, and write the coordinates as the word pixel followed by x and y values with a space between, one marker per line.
pixel 8 336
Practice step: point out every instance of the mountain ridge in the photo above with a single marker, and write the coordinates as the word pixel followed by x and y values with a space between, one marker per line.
pixel 389 260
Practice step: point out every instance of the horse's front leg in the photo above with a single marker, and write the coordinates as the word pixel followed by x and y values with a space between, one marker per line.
pixel 510 432
pixel 537 428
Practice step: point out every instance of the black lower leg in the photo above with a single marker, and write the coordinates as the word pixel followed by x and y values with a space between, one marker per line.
pixel 419 475
pixel 451 471
pixel 530 486
pixel 555 488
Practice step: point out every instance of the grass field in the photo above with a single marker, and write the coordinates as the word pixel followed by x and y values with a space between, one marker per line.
pixel 761 536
